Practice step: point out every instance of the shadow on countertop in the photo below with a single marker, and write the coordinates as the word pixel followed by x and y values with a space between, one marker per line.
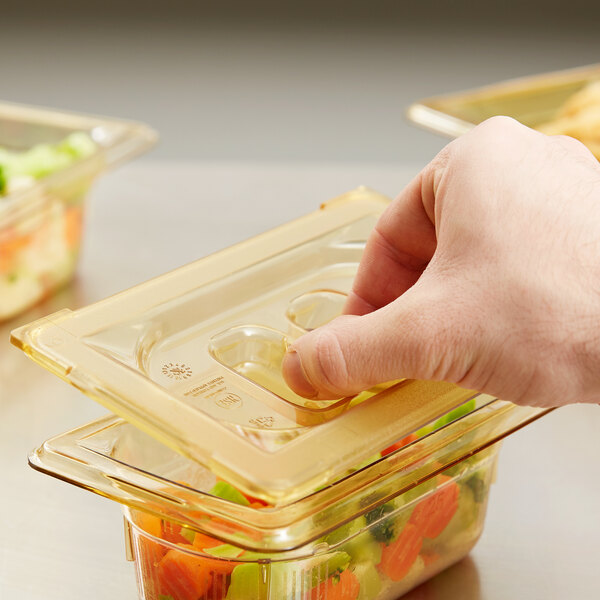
pixel 460 581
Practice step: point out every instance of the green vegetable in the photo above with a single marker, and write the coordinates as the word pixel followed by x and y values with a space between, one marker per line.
pixel 369 579
pixel 455 413
pixel 163 597
pixel 43 159
pixel 418 491
pixel 477 484
pixel 322 567
pixel 188 534
pixel 246 582
pixel 361 546
pixel 367 461
pixel 225 490
pixel 345 531
pixel 78 145
pixel 385 530
pixel 284 577
pixel 224 551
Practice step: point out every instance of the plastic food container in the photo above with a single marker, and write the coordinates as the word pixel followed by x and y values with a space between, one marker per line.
pixel 544 102
pixel 56 156
pixel 232 486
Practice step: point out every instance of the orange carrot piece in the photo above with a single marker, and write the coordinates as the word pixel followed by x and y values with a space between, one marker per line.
pixel 397 445
pixel 171 532
pixel 149 523
pixel 432 515
pixel 184 576
pixel 346 587
pixel 202 541
pixel 10 246
pixel 73 224
pixel 399 556
pixel 150 551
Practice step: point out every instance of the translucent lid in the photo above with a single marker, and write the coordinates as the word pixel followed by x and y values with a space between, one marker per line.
pixel 193 358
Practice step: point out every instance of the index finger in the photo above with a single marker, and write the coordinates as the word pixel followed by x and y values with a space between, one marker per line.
pixel 400 246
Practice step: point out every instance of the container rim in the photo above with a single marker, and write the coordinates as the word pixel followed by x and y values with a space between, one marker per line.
pixel 283 527
pixel 435 113
pixel 311 552
pixel 128 139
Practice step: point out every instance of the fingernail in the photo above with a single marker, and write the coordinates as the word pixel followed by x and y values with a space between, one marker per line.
pixel 294 374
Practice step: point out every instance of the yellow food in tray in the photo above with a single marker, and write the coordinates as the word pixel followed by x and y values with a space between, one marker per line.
pixel 564 102
pixel 579 117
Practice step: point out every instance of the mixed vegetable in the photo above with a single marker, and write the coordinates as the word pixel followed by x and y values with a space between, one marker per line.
pixel 376 556
pixel 38 251
pixel 20 170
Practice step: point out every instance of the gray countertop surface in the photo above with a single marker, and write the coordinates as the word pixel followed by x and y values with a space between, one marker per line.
pixel 542 533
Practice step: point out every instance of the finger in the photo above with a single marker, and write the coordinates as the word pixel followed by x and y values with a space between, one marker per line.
pixel 400 246
pixel 413 337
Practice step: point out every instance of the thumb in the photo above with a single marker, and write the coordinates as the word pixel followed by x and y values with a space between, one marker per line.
pixel 412 337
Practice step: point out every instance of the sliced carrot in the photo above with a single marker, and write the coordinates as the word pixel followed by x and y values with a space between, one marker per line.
pixel 202 541
pixel 171 532
pixel 399 556
pixel 343 587
pixel 432 515
pixel 149 523
pixel 73 224
pixel 221 567
pixel 183 576
pixel 9 247
pixel 400 444
pixel 257 503
pixel 150 551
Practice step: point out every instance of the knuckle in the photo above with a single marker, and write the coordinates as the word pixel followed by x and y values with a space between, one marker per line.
pixel 493 132
pixel 500 123
pixel 489 142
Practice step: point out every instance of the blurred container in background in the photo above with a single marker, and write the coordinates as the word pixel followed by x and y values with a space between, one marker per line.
pixel 48 161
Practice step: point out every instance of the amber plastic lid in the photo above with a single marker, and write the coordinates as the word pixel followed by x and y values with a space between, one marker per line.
pixel 193 358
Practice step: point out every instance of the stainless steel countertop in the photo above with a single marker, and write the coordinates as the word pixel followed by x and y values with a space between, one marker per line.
pixel 542 533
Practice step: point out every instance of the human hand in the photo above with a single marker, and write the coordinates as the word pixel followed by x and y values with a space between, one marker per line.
pixel 484 272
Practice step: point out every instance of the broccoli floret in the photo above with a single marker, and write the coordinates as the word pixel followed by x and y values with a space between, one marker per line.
pixel 477 485
pixel 385 531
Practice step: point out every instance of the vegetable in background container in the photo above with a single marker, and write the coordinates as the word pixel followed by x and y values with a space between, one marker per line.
pixel 48 161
